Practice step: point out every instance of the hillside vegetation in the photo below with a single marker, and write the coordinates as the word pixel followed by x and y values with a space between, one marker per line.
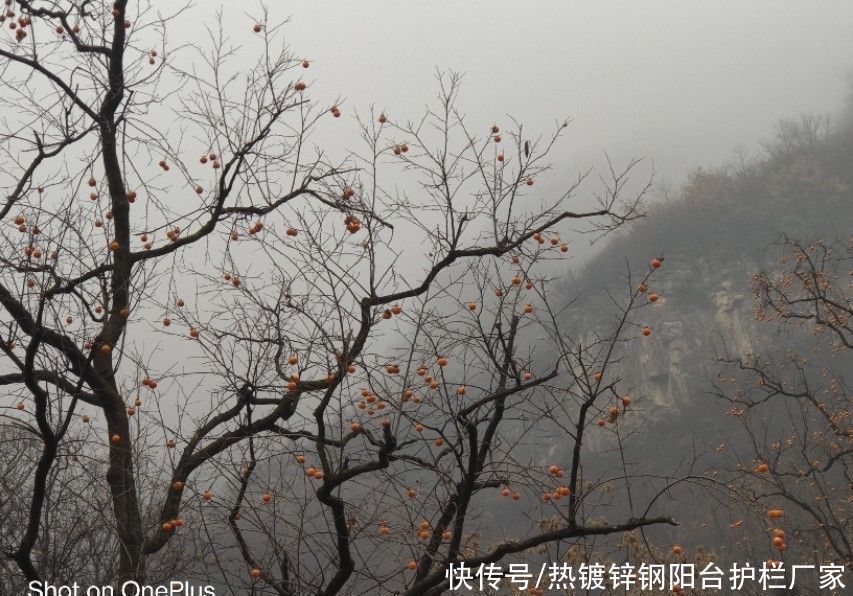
pixel 724 220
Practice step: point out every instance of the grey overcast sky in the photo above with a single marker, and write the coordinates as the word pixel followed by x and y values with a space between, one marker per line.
pixel 681 82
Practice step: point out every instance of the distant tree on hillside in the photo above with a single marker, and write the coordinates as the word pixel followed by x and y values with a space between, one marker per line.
pixel 796 408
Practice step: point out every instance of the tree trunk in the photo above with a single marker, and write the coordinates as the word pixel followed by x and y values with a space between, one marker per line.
pixel 125 503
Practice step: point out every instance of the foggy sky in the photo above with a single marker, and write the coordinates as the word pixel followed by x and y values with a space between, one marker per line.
pixel 682 83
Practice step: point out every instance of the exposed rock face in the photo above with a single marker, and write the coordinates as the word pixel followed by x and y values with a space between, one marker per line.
pixel 675 362
pixel 722 230
pixel 663 374
pixel 672 367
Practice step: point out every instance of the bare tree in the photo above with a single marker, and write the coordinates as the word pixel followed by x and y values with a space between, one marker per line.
pixel 794 404
pixel 236 354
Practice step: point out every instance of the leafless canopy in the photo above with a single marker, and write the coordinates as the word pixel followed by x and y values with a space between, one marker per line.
pixel 232 354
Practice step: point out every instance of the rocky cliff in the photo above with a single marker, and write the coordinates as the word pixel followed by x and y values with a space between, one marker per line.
pixel 723 228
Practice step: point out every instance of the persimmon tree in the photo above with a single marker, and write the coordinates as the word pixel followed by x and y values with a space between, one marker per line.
pixel 238 356
pixel 794 404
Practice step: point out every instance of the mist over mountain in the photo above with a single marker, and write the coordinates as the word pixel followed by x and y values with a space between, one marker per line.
pixel 724 226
